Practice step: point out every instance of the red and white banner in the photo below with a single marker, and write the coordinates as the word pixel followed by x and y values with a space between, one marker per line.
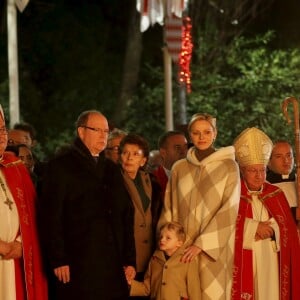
pixel 21 4
pixel 173 36
pixel 154 11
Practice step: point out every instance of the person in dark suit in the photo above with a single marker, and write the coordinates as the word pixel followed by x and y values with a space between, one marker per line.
pixel 87 218
pixel 172 146
pixel 281 172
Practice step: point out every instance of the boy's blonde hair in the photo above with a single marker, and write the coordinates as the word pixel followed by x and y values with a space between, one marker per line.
pixel 177 227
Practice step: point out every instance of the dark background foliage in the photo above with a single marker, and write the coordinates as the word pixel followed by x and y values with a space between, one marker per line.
pixel 72 53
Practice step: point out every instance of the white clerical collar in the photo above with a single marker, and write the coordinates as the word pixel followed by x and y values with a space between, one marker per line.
pixel 284 176
pixel 168 172
pixel 254 193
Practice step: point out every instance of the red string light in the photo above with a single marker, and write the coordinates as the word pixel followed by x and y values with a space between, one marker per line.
pixel 186 54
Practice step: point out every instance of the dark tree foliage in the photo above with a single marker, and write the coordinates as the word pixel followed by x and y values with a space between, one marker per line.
pixel 70 59
pixel 72 54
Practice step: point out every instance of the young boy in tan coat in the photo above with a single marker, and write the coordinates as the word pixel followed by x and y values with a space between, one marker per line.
pixel 167 277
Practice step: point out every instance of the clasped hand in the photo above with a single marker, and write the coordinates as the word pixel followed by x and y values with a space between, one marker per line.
pixel 10 250
pixel 264 231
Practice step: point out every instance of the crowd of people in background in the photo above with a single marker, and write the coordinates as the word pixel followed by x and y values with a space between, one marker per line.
pixel 109 218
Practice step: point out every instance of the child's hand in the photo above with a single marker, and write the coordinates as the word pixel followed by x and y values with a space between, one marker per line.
pixel 129 273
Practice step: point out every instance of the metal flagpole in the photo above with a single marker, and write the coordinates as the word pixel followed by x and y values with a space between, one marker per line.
pixel 153 11
pixel 12 49
pixel 14 111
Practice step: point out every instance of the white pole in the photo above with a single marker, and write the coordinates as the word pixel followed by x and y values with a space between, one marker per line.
pixel 14 111
pixel 168 90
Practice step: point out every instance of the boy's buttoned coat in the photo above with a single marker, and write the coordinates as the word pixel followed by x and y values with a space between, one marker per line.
pixel 169 279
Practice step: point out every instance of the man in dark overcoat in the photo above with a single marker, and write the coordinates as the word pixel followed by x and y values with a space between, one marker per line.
pixel 86 218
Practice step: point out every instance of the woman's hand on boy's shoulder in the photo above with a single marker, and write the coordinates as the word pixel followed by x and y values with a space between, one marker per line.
pixel 190 253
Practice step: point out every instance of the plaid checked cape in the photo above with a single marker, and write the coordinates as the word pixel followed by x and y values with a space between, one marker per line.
pixel 203 196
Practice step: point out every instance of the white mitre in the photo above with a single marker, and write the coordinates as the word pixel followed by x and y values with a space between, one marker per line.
pixel 252 146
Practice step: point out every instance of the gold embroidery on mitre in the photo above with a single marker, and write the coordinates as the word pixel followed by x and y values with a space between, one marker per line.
pixel 252 147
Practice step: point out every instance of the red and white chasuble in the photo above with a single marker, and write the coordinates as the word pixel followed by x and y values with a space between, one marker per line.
pixel 20 279
pixel 270 268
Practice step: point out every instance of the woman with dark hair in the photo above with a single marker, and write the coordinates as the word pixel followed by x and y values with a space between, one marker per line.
pixel 144 193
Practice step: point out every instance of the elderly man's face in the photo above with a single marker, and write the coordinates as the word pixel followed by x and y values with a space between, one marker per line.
pixel 112 150
pixel 94 134
pixel 254 176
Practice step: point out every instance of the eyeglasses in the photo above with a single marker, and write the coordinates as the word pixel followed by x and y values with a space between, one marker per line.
pixel 114 148
pixel 134 154
pixel 3 130
pixel 105 131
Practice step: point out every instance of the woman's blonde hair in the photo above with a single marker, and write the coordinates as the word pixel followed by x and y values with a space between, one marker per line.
pixel 206 117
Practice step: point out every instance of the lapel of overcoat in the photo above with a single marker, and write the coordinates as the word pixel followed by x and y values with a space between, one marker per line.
pixel 133 192
pixel 87 161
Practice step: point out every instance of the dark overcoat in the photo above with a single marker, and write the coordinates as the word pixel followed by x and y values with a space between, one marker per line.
pixel 87 223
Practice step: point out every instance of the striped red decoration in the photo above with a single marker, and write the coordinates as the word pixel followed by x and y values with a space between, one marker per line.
pixel 173 36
